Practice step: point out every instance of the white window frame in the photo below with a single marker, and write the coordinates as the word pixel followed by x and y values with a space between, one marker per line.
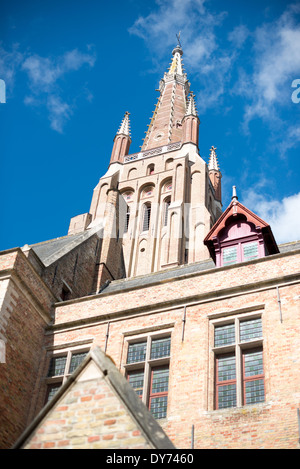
pixel 237 348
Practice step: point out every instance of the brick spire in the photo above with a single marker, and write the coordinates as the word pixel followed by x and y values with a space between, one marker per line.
pixel 166 123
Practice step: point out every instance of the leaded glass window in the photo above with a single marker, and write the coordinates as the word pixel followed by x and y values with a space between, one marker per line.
pixel 239 375
pixel 158 406
pixel 159 392
pixel 226 381
pixel 226 396
pixel 76 359
pixel 61 367
pixel 52 390
pixel 224 335
pixel 250 251
pixel 136 380
pixel 147 370
pixel 57 366
pixel 250 329
pixel 230 255
pixel 253 377
pixel 160 347
pixel 136 352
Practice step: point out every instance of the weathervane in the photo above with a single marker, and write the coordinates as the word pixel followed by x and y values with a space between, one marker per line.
pixel 178 38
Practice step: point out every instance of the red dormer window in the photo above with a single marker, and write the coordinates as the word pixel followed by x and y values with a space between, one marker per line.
pixel 239 241
pixel 239 236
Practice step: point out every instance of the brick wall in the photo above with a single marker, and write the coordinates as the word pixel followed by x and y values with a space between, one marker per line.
pixel 88 416
pixel 25 310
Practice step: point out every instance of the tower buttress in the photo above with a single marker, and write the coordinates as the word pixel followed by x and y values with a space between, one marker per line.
pixel 190 123
pixel 215 173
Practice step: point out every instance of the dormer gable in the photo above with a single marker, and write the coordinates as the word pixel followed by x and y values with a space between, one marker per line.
pixel 239 235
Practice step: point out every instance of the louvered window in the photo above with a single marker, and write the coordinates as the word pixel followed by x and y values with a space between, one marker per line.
pixel 146 217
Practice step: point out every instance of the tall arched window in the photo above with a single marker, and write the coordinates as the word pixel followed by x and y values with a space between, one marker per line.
pixel 146 216
pixel 127 219
pixel 166 210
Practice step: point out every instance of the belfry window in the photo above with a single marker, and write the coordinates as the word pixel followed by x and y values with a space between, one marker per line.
pixel 166 210
pixel 150 169
pixel 146 217
pixel 127 219
pixel 147 371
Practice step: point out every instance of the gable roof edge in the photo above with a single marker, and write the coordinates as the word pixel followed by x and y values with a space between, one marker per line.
pixel 151 430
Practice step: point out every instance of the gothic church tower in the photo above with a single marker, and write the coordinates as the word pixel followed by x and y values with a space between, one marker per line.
pixel 170 198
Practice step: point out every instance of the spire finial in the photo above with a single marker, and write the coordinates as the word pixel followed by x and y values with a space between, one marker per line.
pixel 178 39
pixel 125 125
pixel 177 52
pixel 234 197
pixel 213 160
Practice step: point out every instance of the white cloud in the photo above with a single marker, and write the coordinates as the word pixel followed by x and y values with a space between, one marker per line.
pixel 9 64
pixel 45 74
pixel 276 62
pixel 281 215
pixel 239 35
pixel 160 26
pixel 41 72
pixel 203 56
pixel 59 112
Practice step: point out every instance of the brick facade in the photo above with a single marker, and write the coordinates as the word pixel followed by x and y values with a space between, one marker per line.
pixel 271 424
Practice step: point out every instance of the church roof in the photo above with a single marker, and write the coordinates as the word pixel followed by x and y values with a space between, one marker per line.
pixel 121 285
pixel 53 249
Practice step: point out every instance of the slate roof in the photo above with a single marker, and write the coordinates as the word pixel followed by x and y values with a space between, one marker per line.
pixel 176 272
pixel 51 250
pixel 163 275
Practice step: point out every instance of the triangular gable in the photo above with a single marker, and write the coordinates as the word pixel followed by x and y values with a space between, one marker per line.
pixel 95 408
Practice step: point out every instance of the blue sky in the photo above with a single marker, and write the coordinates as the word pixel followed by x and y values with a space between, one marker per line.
pixel 73 68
